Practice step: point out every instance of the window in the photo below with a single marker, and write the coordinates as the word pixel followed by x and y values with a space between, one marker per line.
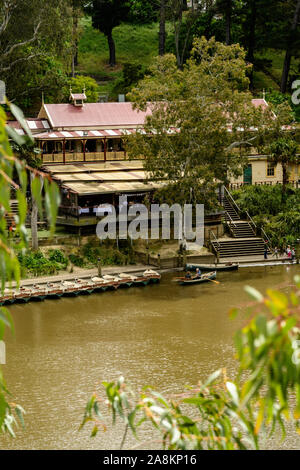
pixel 271 169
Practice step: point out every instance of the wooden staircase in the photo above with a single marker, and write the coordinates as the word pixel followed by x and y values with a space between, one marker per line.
pixel 244 240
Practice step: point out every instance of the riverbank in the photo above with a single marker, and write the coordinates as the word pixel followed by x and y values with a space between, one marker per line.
pixel 245 262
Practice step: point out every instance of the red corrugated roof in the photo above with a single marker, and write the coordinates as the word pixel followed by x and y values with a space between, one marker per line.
pixel 32 123
pixel 94 115
pixel 260 102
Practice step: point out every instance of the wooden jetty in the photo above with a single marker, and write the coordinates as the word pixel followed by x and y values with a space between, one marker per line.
pixel 56 290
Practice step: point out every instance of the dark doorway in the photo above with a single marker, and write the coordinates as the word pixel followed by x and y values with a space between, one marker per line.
pixel 248 174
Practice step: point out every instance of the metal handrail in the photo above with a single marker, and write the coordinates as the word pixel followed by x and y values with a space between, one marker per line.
pixel 248 217
pixel 231 199
pixel 211 231
pixel 231 222
pixel 265 236
pixel 252 222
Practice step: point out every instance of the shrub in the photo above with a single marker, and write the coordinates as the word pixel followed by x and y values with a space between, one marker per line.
pixel 37 264
pixel 58 257
pixel 76 260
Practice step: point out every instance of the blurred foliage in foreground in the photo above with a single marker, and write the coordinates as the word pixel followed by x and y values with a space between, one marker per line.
pixel 15 176
pixel 221 413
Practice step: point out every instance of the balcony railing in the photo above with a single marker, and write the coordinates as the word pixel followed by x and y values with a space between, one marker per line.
pixel 69 157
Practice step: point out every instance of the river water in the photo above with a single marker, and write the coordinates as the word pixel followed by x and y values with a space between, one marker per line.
pixel 163 335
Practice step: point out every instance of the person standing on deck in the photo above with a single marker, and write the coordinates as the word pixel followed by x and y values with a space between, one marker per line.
pixel 266 250
pixel 293 253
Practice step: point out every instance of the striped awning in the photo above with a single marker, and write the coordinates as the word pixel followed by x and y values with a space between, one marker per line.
pixel 91 134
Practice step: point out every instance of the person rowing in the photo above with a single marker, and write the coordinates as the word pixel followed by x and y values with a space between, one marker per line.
pixel 198 274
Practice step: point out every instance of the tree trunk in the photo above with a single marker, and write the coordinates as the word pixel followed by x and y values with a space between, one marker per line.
pixel 228 14
pixel 34 227
pixel 75 40
pixel 288 54
pixel 162 27
pixel 73 66
pixel 251 41
pixel 177 27
pixel 112 49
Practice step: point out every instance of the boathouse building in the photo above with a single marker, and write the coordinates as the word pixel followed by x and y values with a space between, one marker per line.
pixel 83 148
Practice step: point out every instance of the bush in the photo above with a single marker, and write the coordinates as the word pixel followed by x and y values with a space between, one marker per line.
pixel 109 255
pixel 37 264
pixel 76 260
pixel 78 84
pixel 58 257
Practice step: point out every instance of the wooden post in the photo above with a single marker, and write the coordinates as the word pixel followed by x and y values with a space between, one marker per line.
pixel 184 259
pixel 64 151
pixel 159 260
pixel 298 251
pixel 105 149
pixel 99 268
pixel 42 144
pixel 83 143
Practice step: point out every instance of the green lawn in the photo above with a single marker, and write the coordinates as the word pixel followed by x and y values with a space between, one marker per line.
pixel 135 44
pixel 139 44
pixel 271 78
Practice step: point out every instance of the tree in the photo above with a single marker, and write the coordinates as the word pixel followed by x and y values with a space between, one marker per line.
pixel 35 47
pixel 177 8
pixel 143 11
pixel 131 75
pixel 106 15
pixel 190 145
pixel 77 10
pixel 283 151
pixel 80 83
pixel 290 45
pixel 14 175
pixel 162 27
pixel 220 413
pixel 226 8
pixel 183 20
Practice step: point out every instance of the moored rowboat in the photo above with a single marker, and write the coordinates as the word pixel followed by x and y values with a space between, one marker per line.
pixel 77 287
pixel 207 268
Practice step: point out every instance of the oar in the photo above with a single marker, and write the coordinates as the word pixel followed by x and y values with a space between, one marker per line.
pixel 211 280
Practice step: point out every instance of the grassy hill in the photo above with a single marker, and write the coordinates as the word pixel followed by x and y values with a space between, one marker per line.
pixel 139 44
pixel 135 44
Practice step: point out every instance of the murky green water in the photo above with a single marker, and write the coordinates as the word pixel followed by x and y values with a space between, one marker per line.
pixel 161 335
